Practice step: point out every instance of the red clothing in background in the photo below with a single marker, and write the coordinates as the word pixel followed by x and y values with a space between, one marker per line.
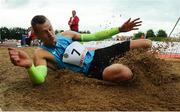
pixel 33 36
pixel 73 23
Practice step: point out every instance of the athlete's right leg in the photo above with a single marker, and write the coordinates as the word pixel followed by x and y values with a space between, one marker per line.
pixel 117 73
pixel 101 67
pixel 140 43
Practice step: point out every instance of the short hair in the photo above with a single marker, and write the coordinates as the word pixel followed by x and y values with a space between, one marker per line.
pixel 38 19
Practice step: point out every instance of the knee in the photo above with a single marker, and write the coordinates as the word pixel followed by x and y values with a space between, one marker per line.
pixel 121 74
pixel 125 75
pixel 147 43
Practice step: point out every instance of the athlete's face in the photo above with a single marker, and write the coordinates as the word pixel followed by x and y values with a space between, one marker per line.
pixel 45 33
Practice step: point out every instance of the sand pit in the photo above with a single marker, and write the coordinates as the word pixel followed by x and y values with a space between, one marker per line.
pixel 155 86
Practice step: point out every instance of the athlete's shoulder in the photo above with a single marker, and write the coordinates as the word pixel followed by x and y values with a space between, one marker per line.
pixel 66 33
pixel 71 34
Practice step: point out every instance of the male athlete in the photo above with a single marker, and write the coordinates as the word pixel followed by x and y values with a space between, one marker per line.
pixel 67 52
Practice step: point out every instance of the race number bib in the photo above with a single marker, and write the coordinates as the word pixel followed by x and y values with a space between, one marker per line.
pixel 75 54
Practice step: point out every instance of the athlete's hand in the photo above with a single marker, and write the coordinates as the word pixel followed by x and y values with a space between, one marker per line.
pixel 130 25
pixel 19 58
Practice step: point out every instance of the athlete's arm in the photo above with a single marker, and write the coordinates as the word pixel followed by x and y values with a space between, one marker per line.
pixel 91 37
pixel 127 26
pixel 42 59
pixel 37 71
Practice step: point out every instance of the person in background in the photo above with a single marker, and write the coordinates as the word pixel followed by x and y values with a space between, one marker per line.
pixel 74 22
pixel 33 41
